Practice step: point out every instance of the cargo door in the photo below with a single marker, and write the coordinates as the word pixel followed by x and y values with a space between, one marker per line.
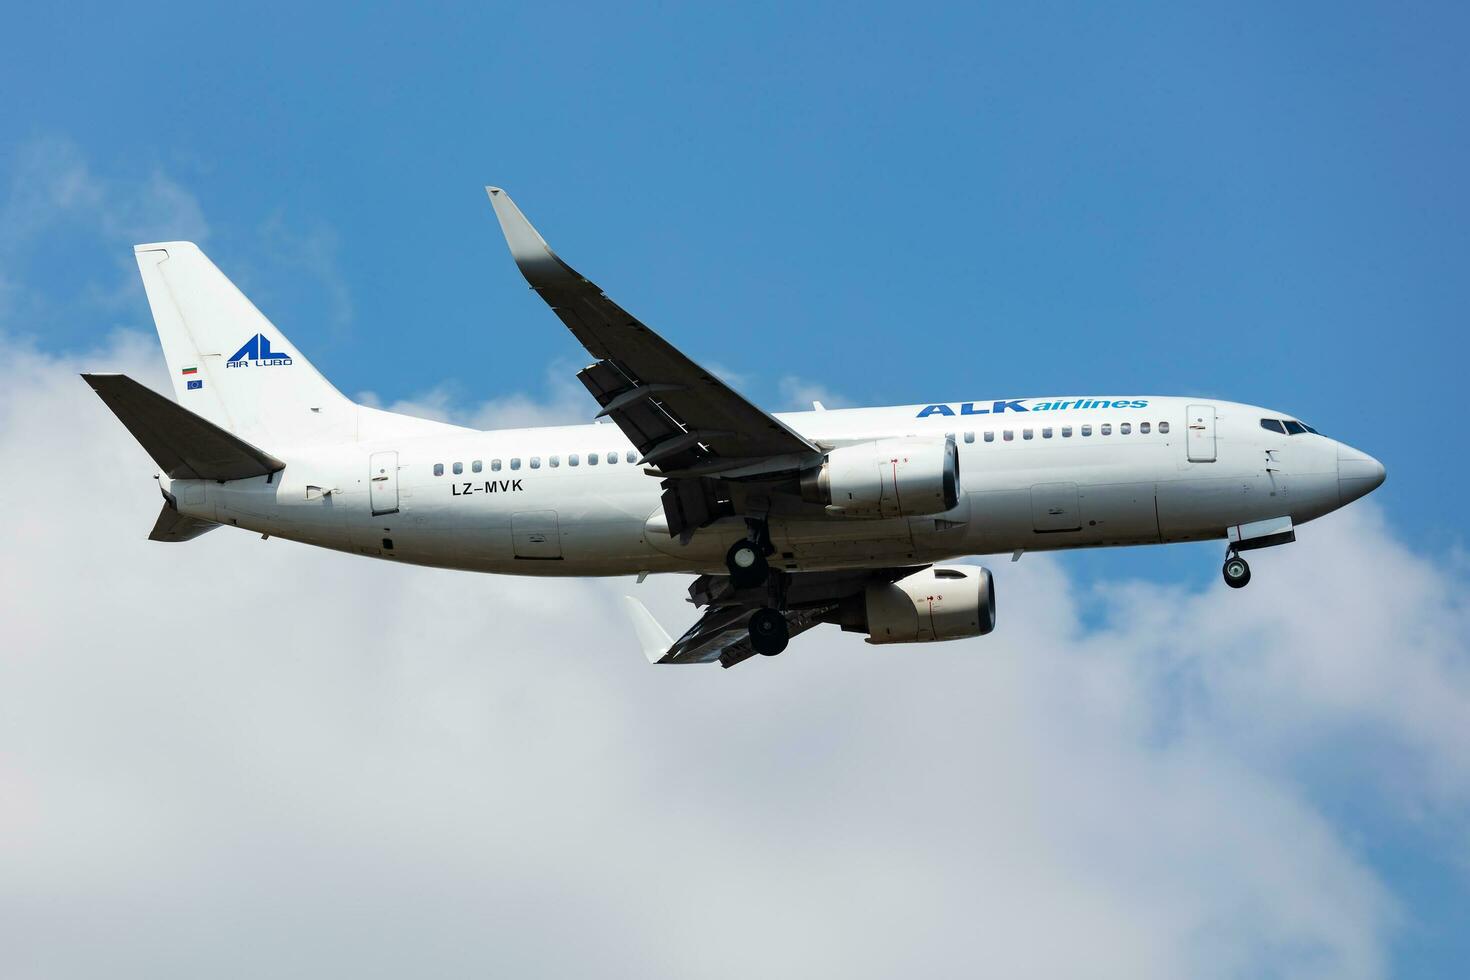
pixel 535 535
pixel 1200 438
pixel 383 482
pixel 1054 507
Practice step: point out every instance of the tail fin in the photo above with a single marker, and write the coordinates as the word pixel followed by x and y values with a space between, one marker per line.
pixel 230 364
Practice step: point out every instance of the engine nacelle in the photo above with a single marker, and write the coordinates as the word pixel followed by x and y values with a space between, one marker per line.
pixel 910 477
pixel 946 602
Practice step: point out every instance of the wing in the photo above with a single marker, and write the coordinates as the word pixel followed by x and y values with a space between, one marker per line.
pixel 722 633
pixel 684 420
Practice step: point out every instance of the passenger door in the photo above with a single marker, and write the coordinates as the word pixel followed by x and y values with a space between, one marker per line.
pixel 535 534
pixel 383 482
pixel 1199 439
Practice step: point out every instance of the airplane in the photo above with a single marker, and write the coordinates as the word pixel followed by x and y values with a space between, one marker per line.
pixel 854 517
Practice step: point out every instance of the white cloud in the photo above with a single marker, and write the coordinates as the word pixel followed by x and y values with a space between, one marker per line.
pixel 248 757
pixel 566 403
pixel 797 394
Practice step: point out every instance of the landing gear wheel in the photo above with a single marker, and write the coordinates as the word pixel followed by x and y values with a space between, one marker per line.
pixel 748 567
pixel 1237 573
pixel 768 632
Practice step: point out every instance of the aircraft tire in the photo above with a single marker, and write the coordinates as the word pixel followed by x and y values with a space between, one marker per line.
pixel 748 567
pixel 1236 572
pixel 768 632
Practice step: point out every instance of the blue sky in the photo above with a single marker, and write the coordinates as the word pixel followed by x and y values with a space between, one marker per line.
pixel 894 204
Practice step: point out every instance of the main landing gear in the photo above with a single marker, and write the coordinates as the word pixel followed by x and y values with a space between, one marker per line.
pixel 746 559
pixel 768 632
pixel 749 569
pixel 1237 573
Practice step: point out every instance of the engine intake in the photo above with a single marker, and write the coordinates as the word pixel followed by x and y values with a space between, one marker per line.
pixel 910 477
pixel 946 602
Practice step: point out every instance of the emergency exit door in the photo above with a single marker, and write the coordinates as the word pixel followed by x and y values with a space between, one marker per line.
pixel 383 482
pixel 1199 436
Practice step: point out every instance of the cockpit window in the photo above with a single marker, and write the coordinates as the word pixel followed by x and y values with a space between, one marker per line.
pixel 1294 428
pixel 1310 429
pixel 1273 425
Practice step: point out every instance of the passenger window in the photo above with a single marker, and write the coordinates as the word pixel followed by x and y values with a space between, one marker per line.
pixel 631 456
pixel 458 468
pixel 1107 428
pixel 573 459
pixel 438 469
pixel 1273 425
pixel 495 465
pixel 1027 433
pixel 1087 430
pixel 1046 433
pixel 1009 435
pixel 612 458
pixel 990 437
pixel 515 462
pixel 1125 428
pixel 1143 427
pixel 1164 427
pixel 969 437
pixel 535 462
pixel 476 466
pixel 1066 432
pixel 555 461
pixel 591 459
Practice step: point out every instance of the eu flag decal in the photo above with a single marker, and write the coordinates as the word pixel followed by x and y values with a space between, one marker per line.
pixel 195 385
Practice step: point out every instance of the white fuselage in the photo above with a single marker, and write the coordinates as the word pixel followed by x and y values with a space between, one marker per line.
pixel 1050 476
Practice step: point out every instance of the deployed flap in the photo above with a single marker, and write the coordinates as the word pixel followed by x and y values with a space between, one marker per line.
pixel 723 634
pixel 679 415
pixel 173 526
pixel 185 446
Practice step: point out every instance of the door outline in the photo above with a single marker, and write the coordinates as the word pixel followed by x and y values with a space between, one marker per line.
pixel 1199 434
pixel 383 482
pixel 1055 507
pixel 536 535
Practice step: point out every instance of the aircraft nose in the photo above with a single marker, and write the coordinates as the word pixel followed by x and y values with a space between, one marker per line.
pixel 1358 474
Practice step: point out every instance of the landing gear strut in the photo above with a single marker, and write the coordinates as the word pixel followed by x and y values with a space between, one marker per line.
pixel 768 632
pixel 1237 573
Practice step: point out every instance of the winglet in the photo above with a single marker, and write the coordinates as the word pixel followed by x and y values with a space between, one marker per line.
pixel 651 635
pixel 537 262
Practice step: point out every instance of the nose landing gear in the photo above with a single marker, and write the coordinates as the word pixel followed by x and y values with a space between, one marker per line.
pixel 1236 571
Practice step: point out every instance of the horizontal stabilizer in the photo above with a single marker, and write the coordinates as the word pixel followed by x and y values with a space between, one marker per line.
pixel 185 446
pixel 173 526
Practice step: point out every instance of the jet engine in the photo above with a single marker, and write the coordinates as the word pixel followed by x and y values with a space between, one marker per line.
pixel 946 602
pixel 909 477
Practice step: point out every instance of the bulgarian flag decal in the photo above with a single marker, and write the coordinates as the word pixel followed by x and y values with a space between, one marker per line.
pixel 191 370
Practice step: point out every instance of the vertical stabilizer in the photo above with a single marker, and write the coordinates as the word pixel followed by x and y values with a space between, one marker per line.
pixel 229 363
